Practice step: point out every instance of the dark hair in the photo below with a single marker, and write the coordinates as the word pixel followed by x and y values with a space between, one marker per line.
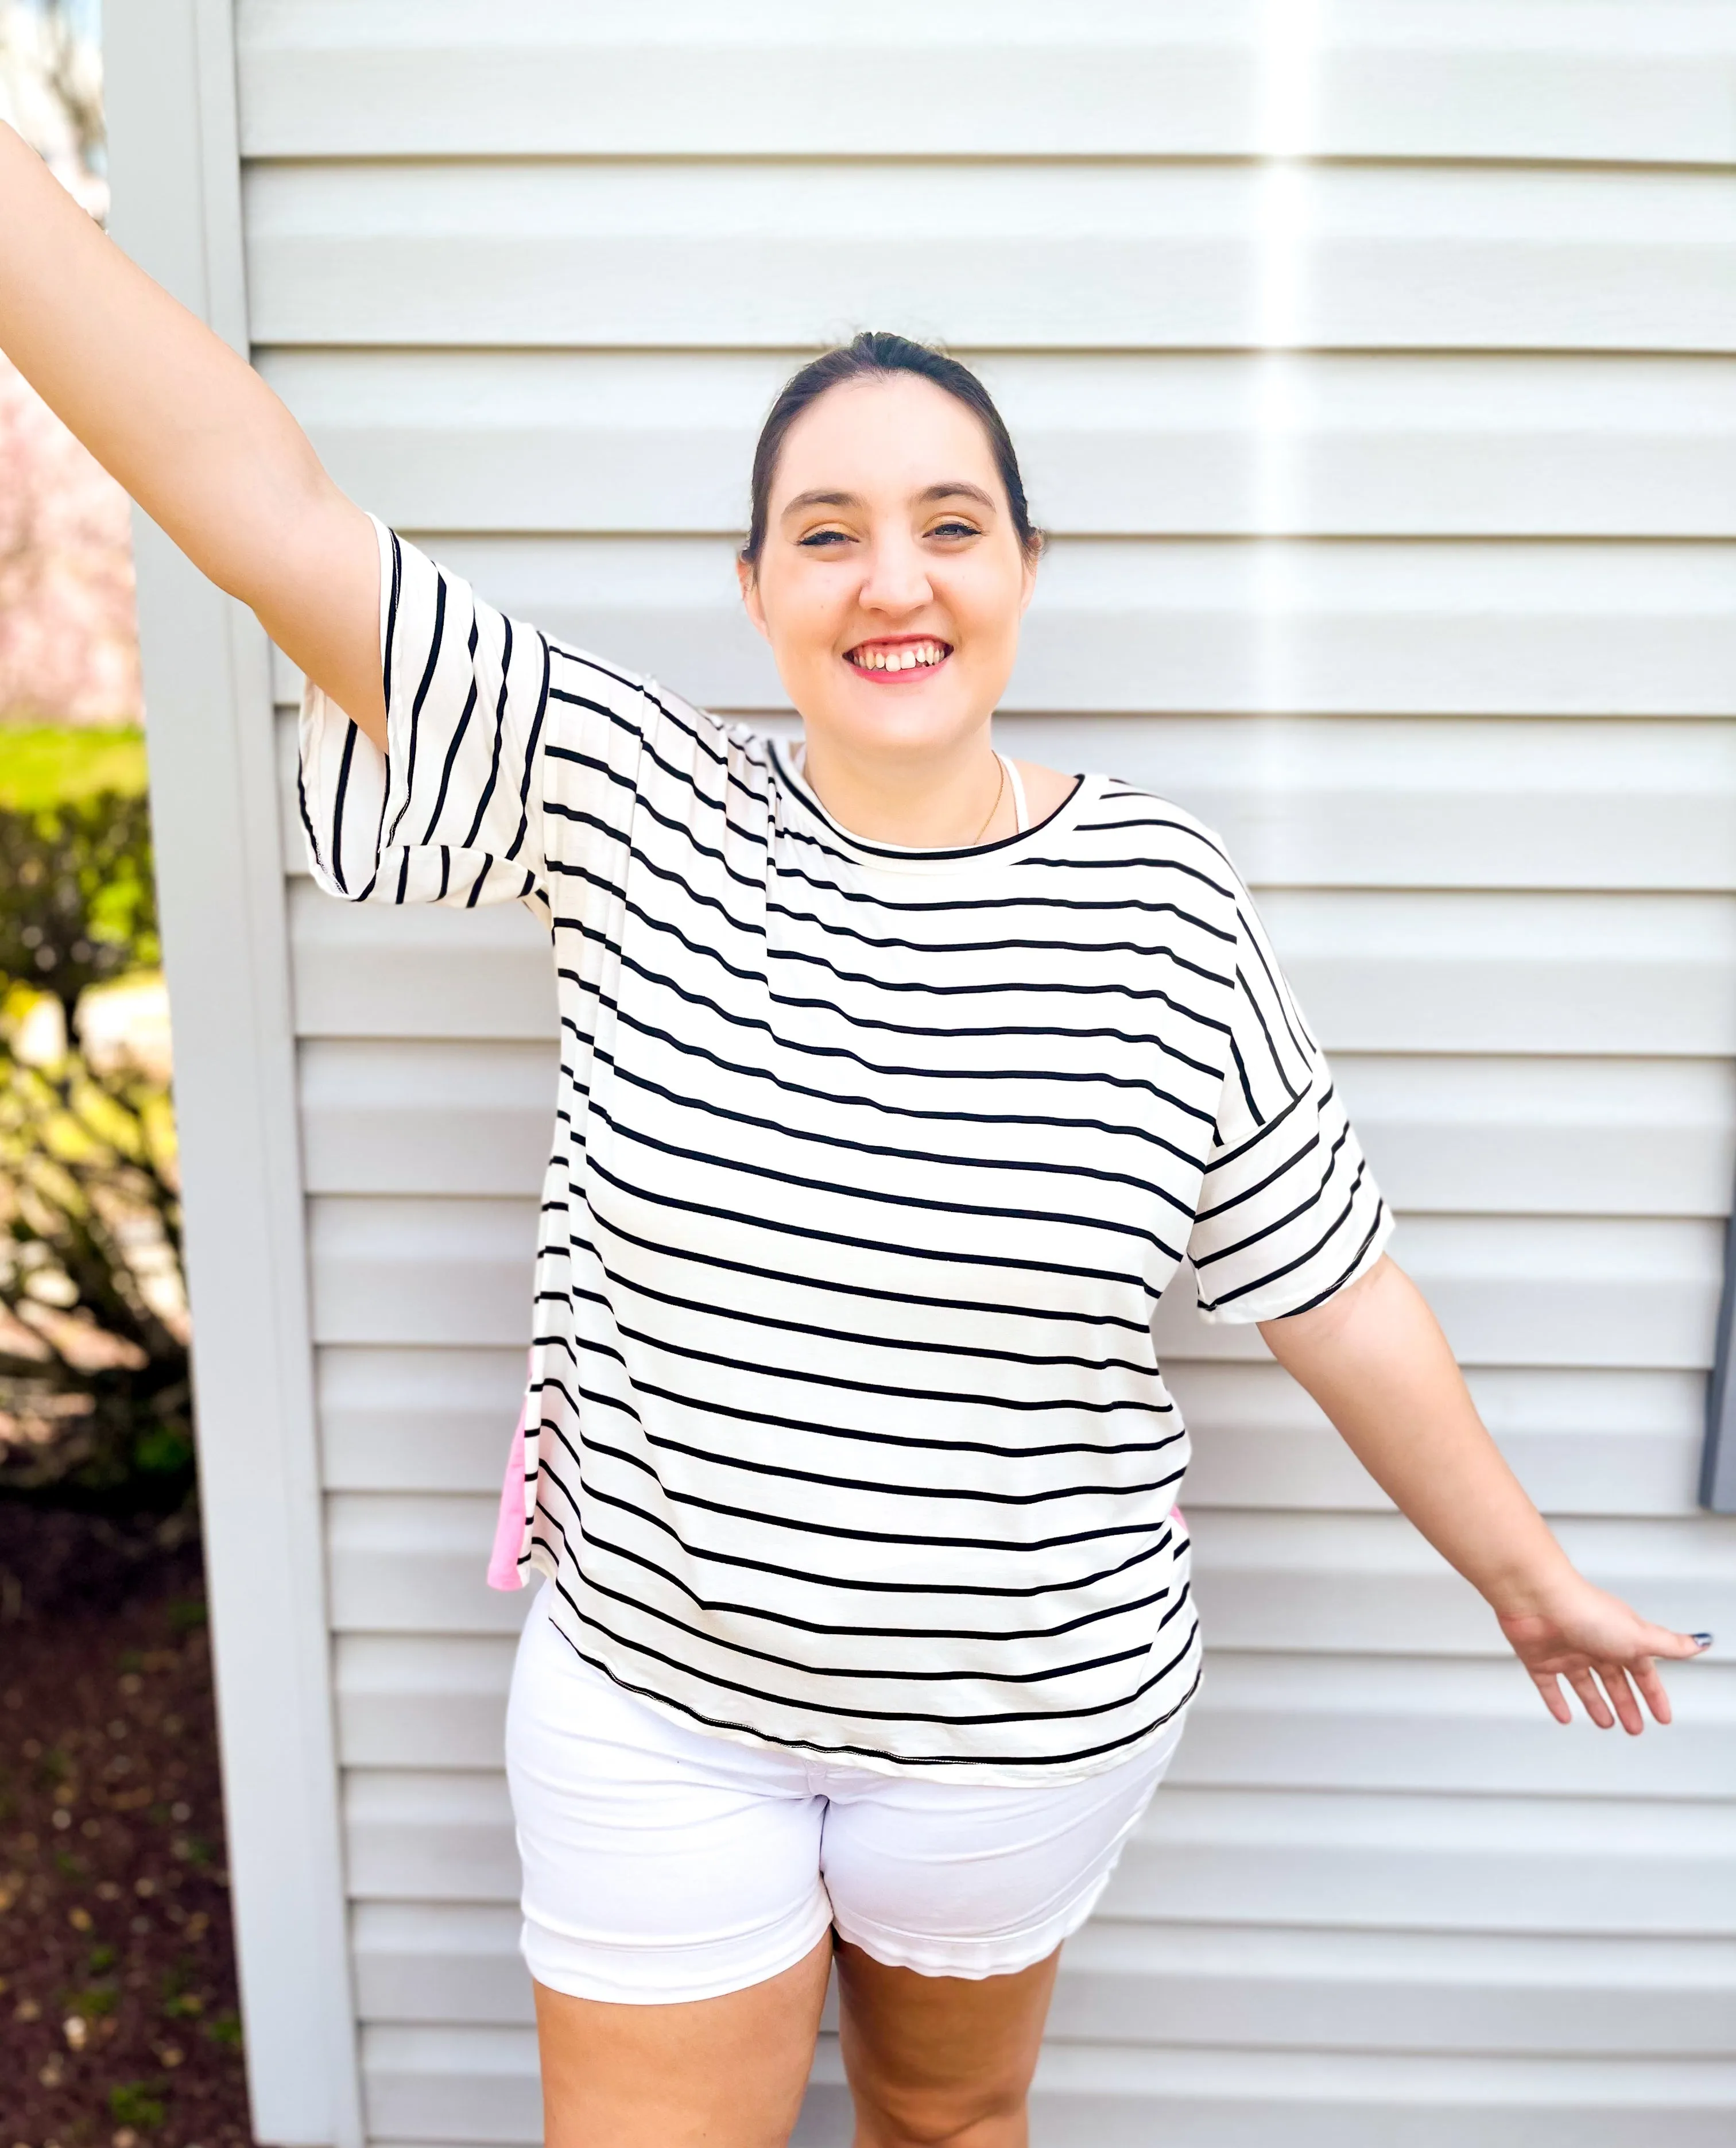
pixel 877 355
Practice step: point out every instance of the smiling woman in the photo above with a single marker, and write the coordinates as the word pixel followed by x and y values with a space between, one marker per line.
pixel 898 1083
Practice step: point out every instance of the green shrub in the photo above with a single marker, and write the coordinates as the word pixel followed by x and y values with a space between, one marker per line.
pixel 77 902
pixel 95 1404
pixel 100 1399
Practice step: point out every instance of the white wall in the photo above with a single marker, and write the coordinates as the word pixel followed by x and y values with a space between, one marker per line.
pixel 529 274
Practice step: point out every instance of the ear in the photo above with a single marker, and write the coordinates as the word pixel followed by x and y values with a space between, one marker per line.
pixel 750 604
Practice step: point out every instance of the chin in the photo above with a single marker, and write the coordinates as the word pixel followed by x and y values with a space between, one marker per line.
pixel 911 734
pixel 915 726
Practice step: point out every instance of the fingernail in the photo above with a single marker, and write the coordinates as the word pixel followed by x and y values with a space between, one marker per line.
pixel 1704 1639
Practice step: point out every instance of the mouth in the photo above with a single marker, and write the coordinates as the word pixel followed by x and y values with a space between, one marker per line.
pixel 898 656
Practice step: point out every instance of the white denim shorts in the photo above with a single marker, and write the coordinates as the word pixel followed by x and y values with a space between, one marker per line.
pixel 663 1864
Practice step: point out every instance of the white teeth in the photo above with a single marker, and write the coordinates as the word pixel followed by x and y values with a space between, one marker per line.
pixel 908 658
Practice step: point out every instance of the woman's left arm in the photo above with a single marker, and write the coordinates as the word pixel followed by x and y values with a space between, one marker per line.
pixel 1374 1358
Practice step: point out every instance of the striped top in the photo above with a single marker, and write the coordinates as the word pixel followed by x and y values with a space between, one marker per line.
pixel 847 1433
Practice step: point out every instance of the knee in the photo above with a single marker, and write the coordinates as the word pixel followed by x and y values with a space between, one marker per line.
pixel 953 2118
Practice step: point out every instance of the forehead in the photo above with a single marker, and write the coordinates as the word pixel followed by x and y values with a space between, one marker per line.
pixel 898 434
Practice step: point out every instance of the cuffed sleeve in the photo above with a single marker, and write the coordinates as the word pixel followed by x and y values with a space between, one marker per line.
pixel 452 811
pixel 1289 1213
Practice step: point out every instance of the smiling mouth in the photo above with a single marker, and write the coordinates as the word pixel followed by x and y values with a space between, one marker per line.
pixel 895 657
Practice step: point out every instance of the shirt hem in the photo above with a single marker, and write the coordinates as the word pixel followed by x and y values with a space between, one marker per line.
pixel 998 1773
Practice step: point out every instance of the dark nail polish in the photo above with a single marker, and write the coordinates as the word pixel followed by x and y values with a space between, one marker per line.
pixel 1704 1640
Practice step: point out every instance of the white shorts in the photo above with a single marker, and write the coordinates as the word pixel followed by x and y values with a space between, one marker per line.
pixel 663 1864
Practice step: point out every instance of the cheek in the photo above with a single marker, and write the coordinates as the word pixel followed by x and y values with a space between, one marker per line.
pixel 987 609
pixel 801 615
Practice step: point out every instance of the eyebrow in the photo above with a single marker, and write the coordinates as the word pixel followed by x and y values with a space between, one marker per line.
pixel 952 488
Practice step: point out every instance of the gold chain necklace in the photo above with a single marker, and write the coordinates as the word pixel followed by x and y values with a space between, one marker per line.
pixel 799 757
pixel 1001 766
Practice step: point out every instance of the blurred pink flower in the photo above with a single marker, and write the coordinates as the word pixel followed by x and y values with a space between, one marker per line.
pixel 68 641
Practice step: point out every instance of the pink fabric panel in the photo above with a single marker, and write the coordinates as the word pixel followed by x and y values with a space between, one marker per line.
pixel 509 1529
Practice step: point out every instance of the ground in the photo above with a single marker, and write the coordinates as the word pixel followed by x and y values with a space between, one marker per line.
pixel 119 2025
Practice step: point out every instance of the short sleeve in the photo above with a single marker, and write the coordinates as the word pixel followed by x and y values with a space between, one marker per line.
pixel 1289 1213
pixel 451 812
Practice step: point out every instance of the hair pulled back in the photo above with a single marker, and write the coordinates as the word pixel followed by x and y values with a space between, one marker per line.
pixel 876 354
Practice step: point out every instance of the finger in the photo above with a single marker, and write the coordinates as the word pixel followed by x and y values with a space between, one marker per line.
pixel 1644 1674
pixel 1663 1641
pixel 1554 1697
pixel 1591 1697
pixel 1621 1698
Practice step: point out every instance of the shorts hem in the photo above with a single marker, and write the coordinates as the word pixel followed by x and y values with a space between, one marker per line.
pixel 974 1960
pixel 615 1991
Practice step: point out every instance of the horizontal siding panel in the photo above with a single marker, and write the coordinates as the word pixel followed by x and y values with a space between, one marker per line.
pixel 1001 80
pixel 437 1271
pixel 1083 256
pixel 440 1961
pixel 1458 1865
pixel 1509 1290
pixel 1107 2098
pixel 372 970
pixel 381 1116
pixel 1368 1584
pixel 1526 79
pixel 418 1700
pixel 415 1562
pixel 1360 1584
pixel 1486 972
pixel 1437 1991
pixel 1262 1721
pixel 1431 802
pixel 438 1419
pixel 1551 1137
pixel 1410 802
pixel 467 2085
pixel 1379 973
pixel 1582 1442
pixel 1155 444
pixel 1173 625
pixel 434 1837
pixel 1491 1136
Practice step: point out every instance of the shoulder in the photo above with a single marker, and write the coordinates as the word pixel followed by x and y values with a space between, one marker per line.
pixel 1140 827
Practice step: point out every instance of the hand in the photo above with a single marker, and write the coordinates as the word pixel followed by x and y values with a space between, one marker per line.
pixel 1585 1635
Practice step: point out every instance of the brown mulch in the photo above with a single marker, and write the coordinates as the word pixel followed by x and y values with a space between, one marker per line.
pixel 119 2025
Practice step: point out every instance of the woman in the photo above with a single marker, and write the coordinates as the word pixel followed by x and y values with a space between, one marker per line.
pixel 897 1080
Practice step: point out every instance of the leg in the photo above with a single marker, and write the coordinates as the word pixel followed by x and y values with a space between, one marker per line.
pixel 675 1928
pixel 951 1901
pixel 941 2060
pixel 710 2073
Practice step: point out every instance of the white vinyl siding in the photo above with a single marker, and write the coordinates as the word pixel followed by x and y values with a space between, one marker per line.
pixel 530 275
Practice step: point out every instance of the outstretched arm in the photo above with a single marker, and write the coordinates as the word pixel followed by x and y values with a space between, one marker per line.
pixel 192 432
pixel 1376 1361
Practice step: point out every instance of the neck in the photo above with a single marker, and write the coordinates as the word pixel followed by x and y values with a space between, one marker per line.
pixel 940 802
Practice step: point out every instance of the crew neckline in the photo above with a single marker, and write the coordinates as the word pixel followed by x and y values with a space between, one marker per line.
pixel 908 858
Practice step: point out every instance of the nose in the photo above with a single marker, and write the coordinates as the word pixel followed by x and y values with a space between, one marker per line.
pixel 895 581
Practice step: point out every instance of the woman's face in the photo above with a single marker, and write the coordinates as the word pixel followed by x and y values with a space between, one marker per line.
pixel 891 581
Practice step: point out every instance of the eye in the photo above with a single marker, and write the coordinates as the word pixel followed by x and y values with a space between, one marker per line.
pixel 953 527
pixel 816 538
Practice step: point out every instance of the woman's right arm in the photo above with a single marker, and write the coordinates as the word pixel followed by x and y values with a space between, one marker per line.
pixel 192 432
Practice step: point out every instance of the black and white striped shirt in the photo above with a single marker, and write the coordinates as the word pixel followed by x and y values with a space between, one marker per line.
pixel 847 1431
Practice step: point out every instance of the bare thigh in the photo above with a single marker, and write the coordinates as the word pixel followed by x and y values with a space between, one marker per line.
pixel 940 2059
pixel 706 2073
